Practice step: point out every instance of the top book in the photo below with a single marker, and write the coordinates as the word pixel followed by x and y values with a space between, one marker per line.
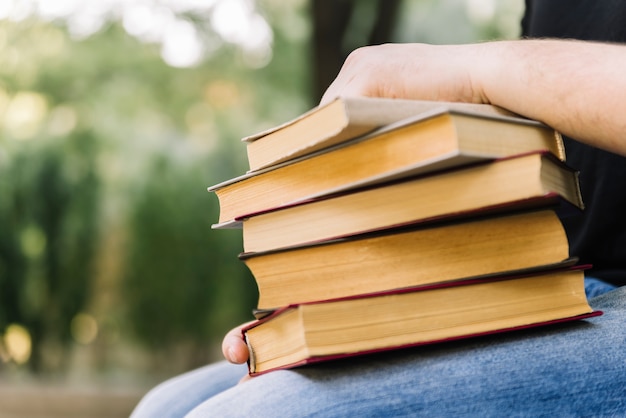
pixel 340 120
pixel 428 142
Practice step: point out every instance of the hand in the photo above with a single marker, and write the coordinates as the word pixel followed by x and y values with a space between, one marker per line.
pixel 574 86
pixel 234 348
pixel 411 71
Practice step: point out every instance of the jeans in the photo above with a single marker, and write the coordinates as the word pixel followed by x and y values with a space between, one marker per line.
pixel 575 369
pixel 595 287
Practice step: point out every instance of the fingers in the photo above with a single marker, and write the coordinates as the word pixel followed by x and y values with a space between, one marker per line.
pixel 354 78
pixel 234 348
pixel 410 71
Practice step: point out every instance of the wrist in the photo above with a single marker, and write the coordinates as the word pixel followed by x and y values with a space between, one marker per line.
pixel 486 72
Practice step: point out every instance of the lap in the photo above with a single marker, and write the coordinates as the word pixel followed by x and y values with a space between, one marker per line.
pixel 577 369
pixel 179 395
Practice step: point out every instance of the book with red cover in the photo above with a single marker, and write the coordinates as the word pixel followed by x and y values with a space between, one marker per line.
pixel 408 148
pixel 398 258
pixel 520 182
pixel 327 330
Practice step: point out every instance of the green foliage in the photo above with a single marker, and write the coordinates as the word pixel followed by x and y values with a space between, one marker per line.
pixel 102 142
pixel 50 197
pixel 179 272
pixel 105 155
pixel 458 21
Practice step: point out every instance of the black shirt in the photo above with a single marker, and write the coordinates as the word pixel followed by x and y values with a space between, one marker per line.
pixel 598 236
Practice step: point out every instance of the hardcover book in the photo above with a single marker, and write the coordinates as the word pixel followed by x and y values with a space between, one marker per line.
pixel 340 120
pixel 407 257
pixel 325 330
pixel 428 143
pixel 521 182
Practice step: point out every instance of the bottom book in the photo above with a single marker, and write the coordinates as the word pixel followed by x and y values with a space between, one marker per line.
pixel 326 330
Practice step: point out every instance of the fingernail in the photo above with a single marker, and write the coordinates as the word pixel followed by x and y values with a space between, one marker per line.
pixel 232 355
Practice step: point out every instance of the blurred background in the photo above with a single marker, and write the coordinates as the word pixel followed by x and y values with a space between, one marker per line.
pixel 115 116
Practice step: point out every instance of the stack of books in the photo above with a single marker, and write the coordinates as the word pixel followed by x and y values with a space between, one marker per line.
pixel 374 224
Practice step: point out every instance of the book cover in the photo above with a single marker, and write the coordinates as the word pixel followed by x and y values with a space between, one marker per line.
pixel 512 184
pixel 333 357
pixel 409 149
pixel 326 330
pixel 343 119
pixel 407 257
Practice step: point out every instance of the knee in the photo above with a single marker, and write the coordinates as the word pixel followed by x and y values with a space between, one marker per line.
pixel 151 403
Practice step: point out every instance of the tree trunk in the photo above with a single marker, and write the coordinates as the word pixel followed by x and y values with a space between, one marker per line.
pixel 334 33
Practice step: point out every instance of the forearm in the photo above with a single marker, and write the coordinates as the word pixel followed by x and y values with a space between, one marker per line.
pixel 576 87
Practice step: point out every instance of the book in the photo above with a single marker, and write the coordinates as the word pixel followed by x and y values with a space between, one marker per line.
pixel 440 140
pixel 320 331
pixel 524 181
pixel 397 258
pixel 342 119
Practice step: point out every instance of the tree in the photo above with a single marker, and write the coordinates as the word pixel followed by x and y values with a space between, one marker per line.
pixel 342 26
pixel 123 142
pixel 107 147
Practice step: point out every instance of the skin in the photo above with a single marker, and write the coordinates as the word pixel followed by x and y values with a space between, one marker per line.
pixel 576 87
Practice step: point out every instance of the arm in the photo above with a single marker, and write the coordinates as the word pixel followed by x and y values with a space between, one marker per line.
pixel 574 86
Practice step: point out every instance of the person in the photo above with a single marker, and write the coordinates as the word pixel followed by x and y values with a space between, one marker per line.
pixel 574 84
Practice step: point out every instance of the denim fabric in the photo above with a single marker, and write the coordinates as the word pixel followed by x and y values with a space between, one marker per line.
pixel 595 287
pixel 179 395
pixel 569 370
